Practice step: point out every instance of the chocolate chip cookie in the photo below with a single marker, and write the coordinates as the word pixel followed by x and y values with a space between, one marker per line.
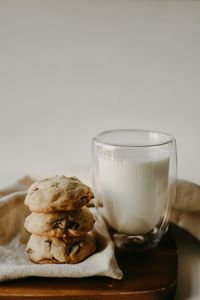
pixel 42 250
pixel 60 224
pixel 59 193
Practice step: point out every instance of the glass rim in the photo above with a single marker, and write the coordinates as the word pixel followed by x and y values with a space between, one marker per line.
pixel 97 138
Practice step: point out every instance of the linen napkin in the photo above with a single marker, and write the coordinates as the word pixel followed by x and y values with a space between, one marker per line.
pixel 185 211
pixel 14 262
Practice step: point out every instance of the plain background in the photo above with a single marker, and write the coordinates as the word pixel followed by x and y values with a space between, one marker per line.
pixel 69 69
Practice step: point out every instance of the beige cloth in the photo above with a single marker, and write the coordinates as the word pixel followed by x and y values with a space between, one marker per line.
pixel 186 209
pixel 14 262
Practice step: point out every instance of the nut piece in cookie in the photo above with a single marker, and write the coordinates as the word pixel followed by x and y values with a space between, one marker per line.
pixel 53 250
pixel 59 193
pixel 60 224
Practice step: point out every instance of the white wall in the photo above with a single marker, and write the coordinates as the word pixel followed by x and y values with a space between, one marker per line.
pixel 69 69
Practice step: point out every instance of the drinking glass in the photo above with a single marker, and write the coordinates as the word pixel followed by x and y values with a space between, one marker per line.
pixel 134 183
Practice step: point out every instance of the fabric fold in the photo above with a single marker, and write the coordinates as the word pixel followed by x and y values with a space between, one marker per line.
pixel 185 211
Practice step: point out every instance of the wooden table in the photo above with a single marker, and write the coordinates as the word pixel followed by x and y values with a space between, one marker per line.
pixel 149 275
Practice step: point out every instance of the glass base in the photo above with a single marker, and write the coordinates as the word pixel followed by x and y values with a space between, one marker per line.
pixel 138 243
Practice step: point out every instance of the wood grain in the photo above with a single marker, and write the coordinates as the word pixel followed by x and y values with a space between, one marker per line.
pixel 147 276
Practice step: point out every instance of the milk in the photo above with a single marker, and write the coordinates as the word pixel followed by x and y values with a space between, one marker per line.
pixel 133 189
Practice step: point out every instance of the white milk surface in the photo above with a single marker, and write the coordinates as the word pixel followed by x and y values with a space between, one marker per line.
pixel 133 191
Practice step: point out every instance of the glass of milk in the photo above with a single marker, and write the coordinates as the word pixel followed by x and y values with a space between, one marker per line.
pixel 134 182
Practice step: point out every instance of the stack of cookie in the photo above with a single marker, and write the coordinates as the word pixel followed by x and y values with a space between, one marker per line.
pixel 60 221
